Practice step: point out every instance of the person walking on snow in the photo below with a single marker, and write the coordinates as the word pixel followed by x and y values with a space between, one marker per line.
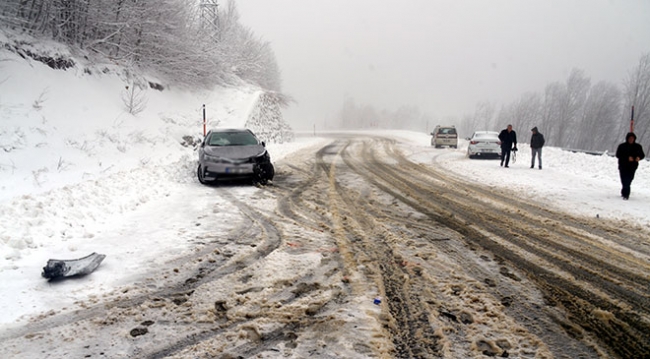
pixel 629 153
pixel 536 144
pixel 508 142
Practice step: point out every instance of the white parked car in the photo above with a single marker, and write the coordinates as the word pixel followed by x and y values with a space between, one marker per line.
pixel 484 144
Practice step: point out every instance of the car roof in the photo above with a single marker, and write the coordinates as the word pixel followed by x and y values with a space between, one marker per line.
pixel 486 132
pixel 230 130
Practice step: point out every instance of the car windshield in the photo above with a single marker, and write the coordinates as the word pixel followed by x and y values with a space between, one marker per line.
pixel 231 138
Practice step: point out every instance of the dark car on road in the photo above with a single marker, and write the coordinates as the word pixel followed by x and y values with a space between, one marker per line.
pixel 228 154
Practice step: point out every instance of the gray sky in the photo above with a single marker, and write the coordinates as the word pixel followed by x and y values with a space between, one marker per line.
pixel 442 56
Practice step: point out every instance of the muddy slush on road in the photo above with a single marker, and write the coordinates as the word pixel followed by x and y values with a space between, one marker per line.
pixel 384 258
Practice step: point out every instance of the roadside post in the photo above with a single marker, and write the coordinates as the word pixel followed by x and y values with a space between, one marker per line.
pixel 204 120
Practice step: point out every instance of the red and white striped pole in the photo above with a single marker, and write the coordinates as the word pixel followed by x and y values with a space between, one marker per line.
pixel 204 131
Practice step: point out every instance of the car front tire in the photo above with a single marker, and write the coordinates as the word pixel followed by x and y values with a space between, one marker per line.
pixel 264 173
pixel 199 175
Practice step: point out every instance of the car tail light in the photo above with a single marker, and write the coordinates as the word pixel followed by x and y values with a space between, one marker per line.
pixel 473 142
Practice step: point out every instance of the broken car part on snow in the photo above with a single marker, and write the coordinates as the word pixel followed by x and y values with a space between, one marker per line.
pixel 58 269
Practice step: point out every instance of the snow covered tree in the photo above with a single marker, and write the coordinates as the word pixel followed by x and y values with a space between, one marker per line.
pixel 238 50
pixel 165 37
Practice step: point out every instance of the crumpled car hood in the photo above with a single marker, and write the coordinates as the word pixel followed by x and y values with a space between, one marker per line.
pixel 234 152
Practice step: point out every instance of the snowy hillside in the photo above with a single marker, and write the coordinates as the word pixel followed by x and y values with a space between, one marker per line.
pixel 75 124
pixel 67 135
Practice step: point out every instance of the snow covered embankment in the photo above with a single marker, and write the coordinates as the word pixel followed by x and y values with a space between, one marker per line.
pixel 72 159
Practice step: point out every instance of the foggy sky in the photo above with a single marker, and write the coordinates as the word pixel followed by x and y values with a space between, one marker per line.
pixel 442 56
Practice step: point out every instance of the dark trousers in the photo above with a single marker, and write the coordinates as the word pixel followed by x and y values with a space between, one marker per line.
pixel 626 180
pixel 536 152
pixel 505 154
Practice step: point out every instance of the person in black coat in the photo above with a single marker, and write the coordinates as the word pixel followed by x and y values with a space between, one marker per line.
pixel 508 139
pixel 536 144
pixel 629 153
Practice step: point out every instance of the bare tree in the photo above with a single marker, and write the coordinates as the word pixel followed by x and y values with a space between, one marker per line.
pixel 637 94
pixel 134 99
pixel 600 118
pixel 563 106
pixel 577 85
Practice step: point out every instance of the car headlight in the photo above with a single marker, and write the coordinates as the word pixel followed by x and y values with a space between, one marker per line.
pixel 212 158
pixel 263 158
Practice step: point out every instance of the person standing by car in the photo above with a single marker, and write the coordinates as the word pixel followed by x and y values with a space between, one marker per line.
pixel 629 153
pixel 508 139
pixel 536 144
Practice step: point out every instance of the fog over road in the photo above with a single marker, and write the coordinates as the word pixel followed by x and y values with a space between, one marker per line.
pixel 459 270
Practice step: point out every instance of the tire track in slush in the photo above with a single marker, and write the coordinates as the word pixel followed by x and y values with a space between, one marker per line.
pixel 409 302
pixel 623 331
pixel 411 332
pixel 578 241
pixel 174 294
pixel 590 264
pixel 425 297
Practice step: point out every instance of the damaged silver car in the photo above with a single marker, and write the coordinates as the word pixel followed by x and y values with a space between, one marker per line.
pixel 229 154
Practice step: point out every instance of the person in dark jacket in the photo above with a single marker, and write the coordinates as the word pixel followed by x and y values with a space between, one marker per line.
pixel 508 139
pixel 629 153
pixel 536 144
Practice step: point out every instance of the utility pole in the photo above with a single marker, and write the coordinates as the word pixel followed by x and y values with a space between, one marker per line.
pixel 210 19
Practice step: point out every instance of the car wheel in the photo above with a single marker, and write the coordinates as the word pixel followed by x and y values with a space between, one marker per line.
pixel 261 181
pixel 264 173
pixel 199 175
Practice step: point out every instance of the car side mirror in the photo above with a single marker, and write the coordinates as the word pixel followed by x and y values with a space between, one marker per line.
pixel 432 133
pixel 263 144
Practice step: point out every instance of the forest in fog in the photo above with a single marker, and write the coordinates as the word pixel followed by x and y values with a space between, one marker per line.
pixel 574 113
pixel 202 44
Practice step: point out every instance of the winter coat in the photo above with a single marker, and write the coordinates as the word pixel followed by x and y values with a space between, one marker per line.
pixel 508 139
pixel 626 150
pixel 537 139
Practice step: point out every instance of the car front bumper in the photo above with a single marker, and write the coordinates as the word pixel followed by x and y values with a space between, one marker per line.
pixel 212 171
